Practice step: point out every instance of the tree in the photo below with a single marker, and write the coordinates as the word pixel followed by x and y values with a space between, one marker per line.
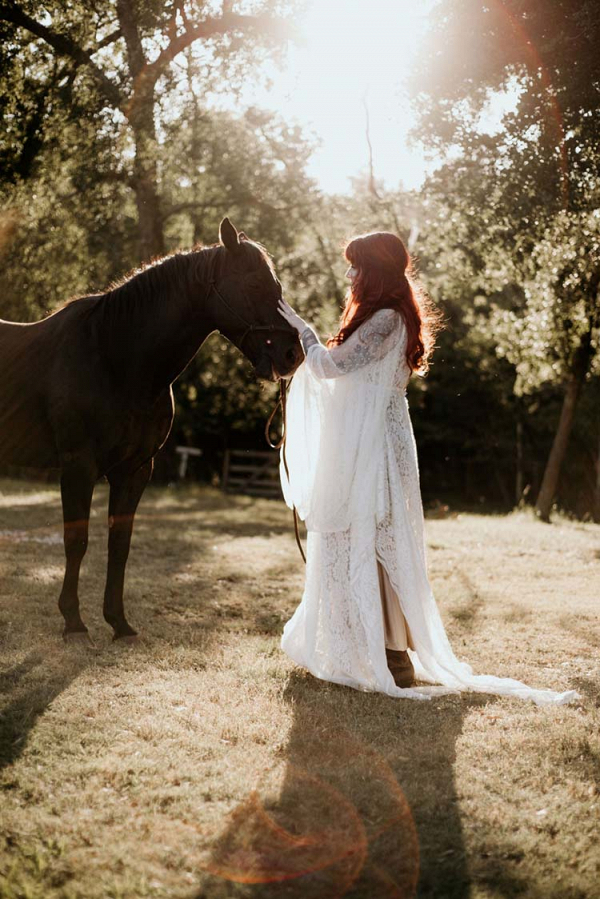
pixel 556 335
pixel 115 59
pixel 73 214
pixel 542 166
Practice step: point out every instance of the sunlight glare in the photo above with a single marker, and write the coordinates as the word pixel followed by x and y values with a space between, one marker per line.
pixel 352 49
pixel 352 52
pixel 359 49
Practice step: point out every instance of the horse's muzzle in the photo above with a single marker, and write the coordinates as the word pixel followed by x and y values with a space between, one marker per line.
pixel 265 370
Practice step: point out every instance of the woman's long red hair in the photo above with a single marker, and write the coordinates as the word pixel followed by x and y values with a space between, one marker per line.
pixel 386 280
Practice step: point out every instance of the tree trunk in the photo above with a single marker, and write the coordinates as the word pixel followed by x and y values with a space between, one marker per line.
pixel 139 111
pixel 151 237
pixel 519 461
pixel 596 497
pixel 145 184
pixel 563 432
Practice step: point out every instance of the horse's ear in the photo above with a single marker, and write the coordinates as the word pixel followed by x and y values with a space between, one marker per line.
pixel 228 235
pixel 242 236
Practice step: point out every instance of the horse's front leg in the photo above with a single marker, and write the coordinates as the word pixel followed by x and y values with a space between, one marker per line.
pixel 77 480
pixel 125 494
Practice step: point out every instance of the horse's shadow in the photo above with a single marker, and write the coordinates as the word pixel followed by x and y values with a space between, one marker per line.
pixel 364 804
pixel 36 665
pixel 30 686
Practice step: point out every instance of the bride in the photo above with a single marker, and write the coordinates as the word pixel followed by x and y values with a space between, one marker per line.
pixel 368 618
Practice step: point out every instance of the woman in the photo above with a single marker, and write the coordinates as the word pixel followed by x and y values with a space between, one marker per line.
pixel 368 618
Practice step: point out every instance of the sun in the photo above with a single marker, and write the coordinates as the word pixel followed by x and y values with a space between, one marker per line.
pixel 357 52
pixel 353 44
pixel 352 52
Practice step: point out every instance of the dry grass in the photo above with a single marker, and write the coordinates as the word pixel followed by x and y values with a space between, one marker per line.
pixel 202 763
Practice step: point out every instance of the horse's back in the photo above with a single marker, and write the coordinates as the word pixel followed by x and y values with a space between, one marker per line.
pixel 27 348
pixel 33 364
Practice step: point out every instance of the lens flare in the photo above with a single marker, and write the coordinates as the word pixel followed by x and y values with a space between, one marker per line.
pixel 537 66
pixel 319 825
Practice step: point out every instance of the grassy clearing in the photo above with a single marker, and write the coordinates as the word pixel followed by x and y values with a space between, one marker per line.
pixel 202 763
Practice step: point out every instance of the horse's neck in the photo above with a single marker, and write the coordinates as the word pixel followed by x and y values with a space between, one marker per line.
pixel 180 336
pixel 162 342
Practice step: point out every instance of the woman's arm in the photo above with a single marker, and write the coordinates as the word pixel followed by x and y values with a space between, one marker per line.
pixel 308 337
pixel 371 341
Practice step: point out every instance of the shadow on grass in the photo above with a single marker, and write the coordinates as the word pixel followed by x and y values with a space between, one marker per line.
pixel 362 805
pixel 467 614
pixel 36 666
pixel 30 686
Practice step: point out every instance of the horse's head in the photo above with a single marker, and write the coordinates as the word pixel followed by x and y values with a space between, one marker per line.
pixel 245 295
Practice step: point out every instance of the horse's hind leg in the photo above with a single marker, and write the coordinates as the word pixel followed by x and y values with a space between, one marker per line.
pixel 76 486
pixel 125 494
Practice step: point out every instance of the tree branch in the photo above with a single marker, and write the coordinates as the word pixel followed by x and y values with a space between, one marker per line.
pixel 171 29
pixel 211 28
pixel 192 204
pixel 108 40
pixel 129 27
pixel 217 203
pixel 372 185
pixel 64 46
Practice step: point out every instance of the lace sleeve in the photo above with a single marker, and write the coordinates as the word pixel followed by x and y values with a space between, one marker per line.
pixel 371 341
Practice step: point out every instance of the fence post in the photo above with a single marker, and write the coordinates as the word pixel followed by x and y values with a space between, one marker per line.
pixel 225 477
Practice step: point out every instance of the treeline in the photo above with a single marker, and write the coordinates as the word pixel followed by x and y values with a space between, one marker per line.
pixel 111 153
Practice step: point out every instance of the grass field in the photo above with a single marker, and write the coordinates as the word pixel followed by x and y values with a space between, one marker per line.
pixel 202 763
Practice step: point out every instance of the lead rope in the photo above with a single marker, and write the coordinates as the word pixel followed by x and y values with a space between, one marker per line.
pixel 283 388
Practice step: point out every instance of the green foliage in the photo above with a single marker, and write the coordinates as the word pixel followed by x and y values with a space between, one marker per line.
pixel 75 226
pixel 521 258
pixel 547 53
pixel 561 308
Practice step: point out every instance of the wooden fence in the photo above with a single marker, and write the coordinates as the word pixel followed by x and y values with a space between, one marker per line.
pixel 254 472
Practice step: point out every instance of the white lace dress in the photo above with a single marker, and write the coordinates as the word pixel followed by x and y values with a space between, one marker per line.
pixel 353 477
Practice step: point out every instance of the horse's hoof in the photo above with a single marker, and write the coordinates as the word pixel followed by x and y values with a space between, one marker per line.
pixel 126 638
pixel 78 638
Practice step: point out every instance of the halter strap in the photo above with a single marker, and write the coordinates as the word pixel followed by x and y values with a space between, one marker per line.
pixel 249 327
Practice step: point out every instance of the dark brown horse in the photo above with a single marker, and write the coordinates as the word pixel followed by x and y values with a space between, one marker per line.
pixel 88 389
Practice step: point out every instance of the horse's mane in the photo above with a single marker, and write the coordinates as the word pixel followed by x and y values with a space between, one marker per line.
pixel 143 288
pixel 156 278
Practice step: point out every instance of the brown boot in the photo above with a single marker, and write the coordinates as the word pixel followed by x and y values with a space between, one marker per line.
pixel 401 667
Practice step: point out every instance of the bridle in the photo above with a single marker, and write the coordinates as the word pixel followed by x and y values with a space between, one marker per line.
pixel 284 386
pixel 249 327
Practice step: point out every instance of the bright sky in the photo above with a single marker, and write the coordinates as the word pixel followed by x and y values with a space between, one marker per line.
pixel 353 48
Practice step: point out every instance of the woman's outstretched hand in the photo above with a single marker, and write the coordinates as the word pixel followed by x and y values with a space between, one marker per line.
pixel 290 316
